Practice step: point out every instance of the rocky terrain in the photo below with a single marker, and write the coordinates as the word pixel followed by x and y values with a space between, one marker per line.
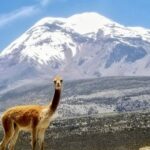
pixel 123 131
pixel 110 113
pixel 83 97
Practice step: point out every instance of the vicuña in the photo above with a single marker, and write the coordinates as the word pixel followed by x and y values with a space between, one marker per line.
pixel 31 118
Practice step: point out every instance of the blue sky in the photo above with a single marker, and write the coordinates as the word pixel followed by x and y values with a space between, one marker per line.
pixel 16 16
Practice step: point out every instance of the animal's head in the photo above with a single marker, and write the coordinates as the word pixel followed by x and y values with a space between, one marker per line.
pixel 58 82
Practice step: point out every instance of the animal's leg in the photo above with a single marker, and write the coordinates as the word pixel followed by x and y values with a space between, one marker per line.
pixel 8 132
pixel 34 138
pixel 41 134
pixel 14 138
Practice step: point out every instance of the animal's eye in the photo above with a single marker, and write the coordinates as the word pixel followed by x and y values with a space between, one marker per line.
pixel 61 80
pixel 55 81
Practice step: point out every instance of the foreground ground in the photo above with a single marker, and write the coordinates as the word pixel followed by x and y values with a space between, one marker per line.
pixel 126 131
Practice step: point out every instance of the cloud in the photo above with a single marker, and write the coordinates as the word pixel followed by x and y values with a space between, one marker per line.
pixel 45 2
pixel 25 12
pixel 17 14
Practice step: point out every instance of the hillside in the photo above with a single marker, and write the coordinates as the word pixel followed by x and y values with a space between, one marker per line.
pixel 83 97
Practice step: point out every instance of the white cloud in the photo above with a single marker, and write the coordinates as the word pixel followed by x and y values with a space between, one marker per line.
pixel 17 14
pixel 45 2
pixel 25 12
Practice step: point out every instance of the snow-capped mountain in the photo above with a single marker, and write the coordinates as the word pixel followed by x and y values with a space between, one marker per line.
pixel 81 46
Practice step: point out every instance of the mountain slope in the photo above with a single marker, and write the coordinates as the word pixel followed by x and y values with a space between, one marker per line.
pixel 82 97
pixel 82 46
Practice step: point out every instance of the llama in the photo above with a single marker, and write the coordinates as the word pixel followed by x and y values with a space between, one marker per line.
pixel 31 118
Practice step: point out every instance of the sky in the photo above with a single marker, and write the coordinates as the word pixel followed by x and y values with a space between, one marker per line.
pixel 16 16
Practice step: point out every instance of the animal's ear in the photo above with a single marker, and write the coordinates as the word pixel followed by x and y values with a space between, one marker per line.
pixel 54 81
pixel 55 78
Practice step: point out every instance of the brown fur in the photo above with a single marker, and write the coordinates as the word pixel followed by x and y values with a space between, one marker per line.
pixel 32 118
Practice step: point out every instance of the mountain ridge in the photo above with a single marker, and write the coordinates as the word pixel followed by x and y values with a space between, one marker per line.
pixel 84 45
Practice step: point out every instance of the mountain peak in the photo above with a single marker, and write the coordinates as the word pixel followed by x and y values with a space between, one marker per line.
pixel 83 23
pixel 49 20
pixel 87 43
pixel 88 22
pixel 89 16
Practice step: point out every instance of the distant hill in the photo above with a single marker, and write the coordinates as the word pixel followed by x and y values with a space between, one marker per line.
pixel 82 97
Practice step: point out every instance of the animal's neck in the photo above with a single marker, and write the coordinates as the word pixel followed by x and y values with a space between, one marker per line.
pixel 55 101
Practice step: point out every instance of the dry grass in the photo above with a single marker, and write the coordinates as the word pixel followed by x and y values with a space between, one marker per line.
pixel 145 148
